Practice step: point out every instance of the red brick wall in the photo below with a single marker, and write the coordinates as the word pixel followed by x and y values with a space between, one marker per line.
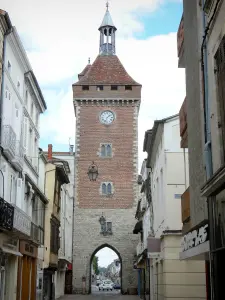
pixel 119 169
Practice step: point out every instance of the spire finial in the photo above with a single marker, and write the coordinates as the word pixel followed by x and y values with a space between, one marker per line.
pixel 89 60
pixel 107 5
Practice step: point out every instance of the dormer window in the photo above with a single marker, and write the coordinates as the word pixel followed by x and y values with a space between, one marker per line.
pixel 128 88
pixel 85 87
pixel 99 88
pixel 114 87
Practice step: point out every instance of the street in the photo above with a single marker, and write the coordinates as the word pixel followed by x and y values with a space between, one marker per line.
pixel 100 295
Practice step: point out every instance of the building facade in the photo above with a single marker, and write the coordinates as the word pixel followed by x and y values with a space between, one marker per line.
pixel 64 274
pixel 20 187
pixel 167 179
pixel 204 66
pixel 106 101
pixel 56 174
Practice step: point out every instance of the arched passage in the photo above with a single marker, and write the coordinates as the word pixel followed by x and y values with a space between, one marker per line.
pixel 91 259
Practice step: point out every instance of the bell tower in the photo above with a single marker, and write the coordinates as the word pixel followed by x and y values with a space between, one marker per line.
pixel 107 34
pixel 106 103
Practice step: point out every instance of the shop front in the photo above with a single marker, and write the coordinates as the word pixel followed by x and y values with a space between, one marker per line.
pixel 214 190
pixel 9 254
pixel 27 271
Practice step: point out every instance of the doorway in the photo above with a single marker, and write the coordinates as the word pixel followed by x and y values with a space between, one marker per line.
pixel 105 271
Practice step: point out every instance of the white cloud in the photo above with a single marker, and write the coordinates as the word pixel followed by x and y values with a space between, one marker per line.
pixel 106 256
pixel 62 35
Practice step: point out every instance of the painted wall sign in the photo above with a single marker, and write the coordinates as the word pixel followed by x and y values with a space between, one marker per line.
pixel 195 238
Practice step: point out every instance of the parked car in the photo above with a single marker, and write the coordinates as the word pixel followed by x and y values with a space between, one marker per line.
pixel 107 285
pixel 116 286
pixel 98 282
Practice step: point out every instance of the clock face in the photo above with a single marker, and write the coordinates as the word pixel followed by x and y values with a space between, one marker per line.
pixel 107 117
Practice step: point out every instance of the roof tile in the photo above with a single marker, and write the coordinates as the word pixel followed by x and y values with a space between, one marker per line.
pixel 106 69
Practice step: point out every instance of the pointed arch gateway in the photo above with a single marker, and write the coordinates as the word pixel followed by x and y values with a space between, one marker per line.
pixel 119 256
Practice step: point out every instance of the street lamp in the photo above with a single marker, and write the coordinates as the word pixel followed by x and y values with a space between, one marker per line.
pixel 93 172
pixel 102 220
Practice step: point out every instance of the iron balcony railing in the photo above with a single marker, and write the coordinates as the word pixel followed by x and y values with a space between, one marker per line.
pixel 6 215
pixel 9 140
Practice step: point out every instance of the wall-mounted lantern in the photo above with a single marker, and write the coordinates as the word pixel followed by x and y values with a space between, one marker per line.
pixel 93 172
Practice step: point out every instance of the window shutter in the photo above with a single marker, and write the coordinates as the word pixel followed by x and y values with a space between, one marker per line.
pixel 19 192
pixel 25 134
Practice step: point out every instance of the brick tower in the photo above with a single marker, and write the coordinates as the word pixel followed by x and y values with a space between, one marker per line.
pixel 106 101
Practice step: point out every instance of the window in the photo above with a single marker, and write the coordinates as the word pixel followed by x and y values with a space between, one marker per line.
pixel 107 188
pixel 55 239
pixel 220 68
pixel 106 150
pixel 85 87
pixel 128 88
pixel 7 94
pixel 9 66
pixel 57 197
pixel 99 88
pixel 114 87
pixel 26 97
pixel 32 109
pixel 106 228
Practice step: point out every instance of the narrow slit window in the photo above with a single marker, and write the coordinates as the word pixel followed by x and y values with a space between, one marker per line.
pixel 85 87
pixel 128 88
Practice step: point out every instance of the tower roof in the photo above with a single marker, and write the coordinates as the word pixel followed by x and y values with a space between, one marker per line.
pixel 106 69
pixel 107 20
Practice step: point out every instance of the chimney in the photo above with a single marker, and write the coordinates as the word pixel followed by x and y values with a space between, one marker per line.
pixel 71 149
pixel 49 151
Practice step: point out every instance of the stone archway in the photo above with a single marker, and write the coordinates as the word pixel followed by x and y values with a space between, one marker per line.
pixel 119 256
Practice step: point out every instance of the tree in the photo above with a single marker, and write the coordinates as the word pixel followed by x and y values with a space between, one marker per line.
pixel 95 265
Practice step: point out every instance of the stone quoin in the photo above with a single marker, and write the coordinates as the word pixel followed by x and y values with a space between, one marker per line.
pixel 105 86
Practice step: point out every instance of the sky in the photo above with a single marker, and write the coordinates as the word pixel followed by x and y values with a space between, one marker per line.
pixel 106 256
pixel 60 36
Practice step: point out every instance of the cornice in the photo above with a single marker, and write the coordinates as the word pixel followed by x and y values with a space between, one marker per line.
pixel 107 102
pixel 34 92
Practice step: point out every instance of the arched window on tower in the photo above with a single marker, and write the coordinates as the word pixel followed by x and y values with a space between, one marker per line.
pixel 103 150
pixel 109 189
pixel 106 150
pixel 109 151
pixel 104 190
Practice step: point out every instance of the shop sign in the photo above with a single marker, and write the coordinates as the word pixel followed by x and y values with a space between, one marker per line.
pixel 195 238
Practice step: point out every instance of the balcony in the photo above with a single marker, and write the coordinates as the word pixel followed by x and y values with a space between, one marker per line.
pixel 19 156
pixel 185 206
pixel 180 44
pixel 6 215
pixel 8 141
pixel 37 234
pixel 183 125
pixel 140 248
pixel 21 222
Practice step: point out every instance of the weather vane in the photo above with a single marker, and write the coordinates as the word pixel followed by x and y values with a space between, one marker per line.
pixel 107 5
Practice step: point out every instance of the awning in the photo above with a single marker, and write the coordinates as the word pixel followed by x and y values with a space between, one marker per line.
pixel 11 251
pixel 137 227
